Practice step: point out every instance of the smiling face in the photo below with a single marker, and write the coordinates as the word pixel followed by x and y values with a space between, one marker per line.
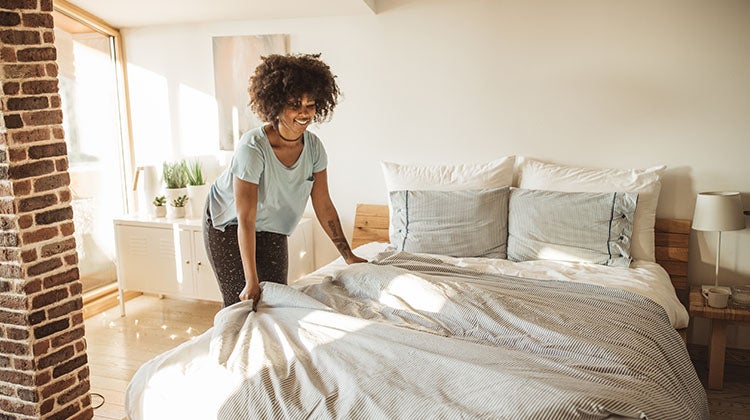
pixel 296 116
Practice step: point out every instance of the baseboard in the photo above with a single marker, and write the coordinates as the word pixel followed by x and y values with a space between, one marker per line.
pixel 103 298
pixel 735 357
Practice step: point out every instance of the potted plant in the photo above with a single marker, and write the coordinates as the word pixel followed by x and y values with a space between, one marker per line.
pixel 160 210
pixel 197 190
pixel 178 206
pixel 175 175
pixel 194 172
pixel 175 182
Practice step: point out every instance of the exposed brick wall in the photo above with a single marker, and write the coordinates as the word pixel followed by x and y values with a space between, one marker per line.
pixel 43 364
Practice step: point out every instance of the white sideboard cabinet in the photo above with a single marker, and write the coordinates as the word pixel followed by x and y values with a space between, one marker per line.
pixel 167 257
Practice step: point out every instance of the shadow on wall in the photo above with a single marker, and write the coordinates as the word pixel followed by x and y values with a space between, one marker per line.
pixel 677 196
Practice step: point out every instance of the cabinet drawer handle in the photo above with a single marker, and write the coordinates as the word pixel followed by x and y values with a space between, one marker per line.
pixel 187 261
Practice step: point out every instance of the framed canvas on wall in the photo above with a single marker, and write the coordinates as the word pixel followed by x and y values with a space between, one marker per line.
pixel 235 59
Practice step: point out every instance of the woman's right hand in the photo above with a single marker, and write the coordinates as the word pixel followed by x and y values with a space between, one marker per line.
pixel 251 291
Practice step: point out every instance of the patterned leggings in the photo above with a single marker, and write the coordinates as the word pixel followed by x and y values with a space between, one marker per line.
pixel 223 249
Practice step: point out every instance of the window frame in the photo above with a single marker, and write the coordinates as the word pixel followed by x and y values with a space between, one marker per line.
pixel 127 152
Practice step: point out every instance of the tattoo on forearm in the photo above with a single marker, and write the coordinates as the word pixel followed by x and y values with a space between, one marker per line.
pixel 332 227
pixel 338 239
pixel 342 247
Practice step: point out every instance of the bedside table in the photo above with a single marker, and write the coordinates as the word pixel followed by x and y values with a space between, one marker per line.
pixel 718 342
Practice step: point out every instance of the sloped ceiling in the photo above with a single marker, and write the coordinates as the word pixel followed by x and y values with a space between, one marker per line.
pixel 137 13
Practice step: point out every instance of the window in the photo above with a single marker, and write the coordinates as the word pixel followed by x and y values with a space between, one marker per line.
pixel 90 79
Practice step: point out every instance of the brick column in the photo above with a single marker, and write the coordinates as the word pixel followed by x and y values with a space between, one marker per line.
pixel 43 364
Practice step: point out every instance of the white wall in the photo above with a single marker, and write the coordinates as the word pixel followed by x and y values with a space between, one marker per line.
pixel 596 83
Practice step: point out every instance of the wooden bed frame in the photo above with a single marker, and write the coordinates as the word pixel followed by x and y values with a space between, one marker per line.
pixel 671 240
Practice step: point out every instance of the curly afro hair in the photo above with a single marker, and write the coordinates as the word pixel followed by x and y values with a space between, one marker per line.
pixel 279 78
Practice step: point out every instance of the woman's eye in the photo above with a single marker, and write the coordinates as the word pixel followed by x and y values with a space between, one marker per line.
pixel 296 106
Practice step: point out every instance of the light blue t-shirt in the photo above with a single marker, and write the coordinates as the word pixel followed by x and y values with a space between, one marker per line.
pixel 282 191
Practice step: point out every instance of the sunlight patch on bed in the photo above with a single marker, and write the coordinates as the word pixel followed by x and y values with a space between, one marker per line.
pixel 325 335
pixel 173 377
pixel 557 255
pixel 287 349
pixel 411 290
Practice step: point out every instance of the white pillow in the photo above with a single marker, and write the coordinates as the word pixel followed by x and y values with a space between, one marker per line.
pixel 494 174
pixel 534 174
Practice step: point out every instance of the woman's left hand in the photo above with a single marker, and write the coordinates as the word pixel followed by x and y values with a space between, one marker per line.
pixel 353 259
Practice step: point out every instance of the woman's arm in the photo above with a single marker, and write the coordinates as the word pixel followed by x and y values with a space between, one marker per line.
pixel 246 199
pixel 329 218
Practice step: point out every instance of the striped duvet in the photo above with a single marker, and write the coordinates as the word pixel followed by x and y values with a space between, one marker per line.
pixel 412 337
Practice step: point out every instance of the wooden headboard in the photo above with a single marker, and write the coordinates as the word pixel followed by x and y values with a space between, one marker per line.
pixel 370 224
pixel 671 240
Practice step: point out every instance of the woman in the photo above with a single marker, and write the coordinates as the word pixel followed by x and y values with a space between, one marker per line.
pixel 258 201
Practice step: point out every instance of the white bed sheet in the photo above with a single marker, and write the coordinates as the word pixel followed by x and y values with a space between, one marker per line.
pixel 644 278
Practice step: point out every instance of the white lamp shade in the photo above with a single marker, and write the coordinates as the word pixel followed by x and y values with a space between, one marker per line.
pixel 718 211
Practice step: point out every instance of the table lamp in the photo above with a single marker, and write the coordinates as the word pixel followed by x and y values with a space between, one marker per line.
pixel 718 211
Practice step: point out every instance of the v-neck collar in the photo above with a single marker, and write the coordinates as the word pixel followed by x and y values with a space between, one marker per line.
pixel 276 158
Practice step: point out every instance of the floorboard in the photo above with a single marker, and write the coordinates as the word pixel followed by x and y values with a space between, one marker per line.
pixel 732 402
pixel 117 346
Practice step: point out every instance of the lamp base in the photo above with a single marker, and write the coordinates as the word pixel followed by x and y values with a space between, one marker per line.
pixel 705 287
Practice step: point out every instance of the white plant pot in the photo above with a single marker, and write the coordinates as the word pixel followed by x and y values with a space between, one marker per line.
pixel 176 212
pixel 197 195
pixel 171 194
pixel 160 211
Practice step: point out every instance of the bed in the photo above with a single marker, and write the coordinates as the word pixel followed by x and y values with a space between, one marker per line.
pixel 433 335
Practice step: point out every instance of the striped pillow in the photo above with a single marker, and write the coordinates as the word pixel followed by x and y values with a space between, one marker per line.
pixel 537 175
pixel 571 226
pixel 466 223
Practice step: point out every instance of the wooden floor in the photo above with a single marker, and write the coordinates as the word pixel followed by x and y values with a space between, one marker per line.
pixel 732 402
pixel 118 346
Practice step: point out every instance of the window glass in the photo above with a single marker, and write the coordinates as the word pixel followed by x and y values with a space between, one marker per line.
pixel 88 90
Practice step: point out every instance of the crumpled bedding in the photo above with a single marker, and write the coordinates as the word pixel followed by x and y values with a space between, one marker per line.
pixel 411 336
